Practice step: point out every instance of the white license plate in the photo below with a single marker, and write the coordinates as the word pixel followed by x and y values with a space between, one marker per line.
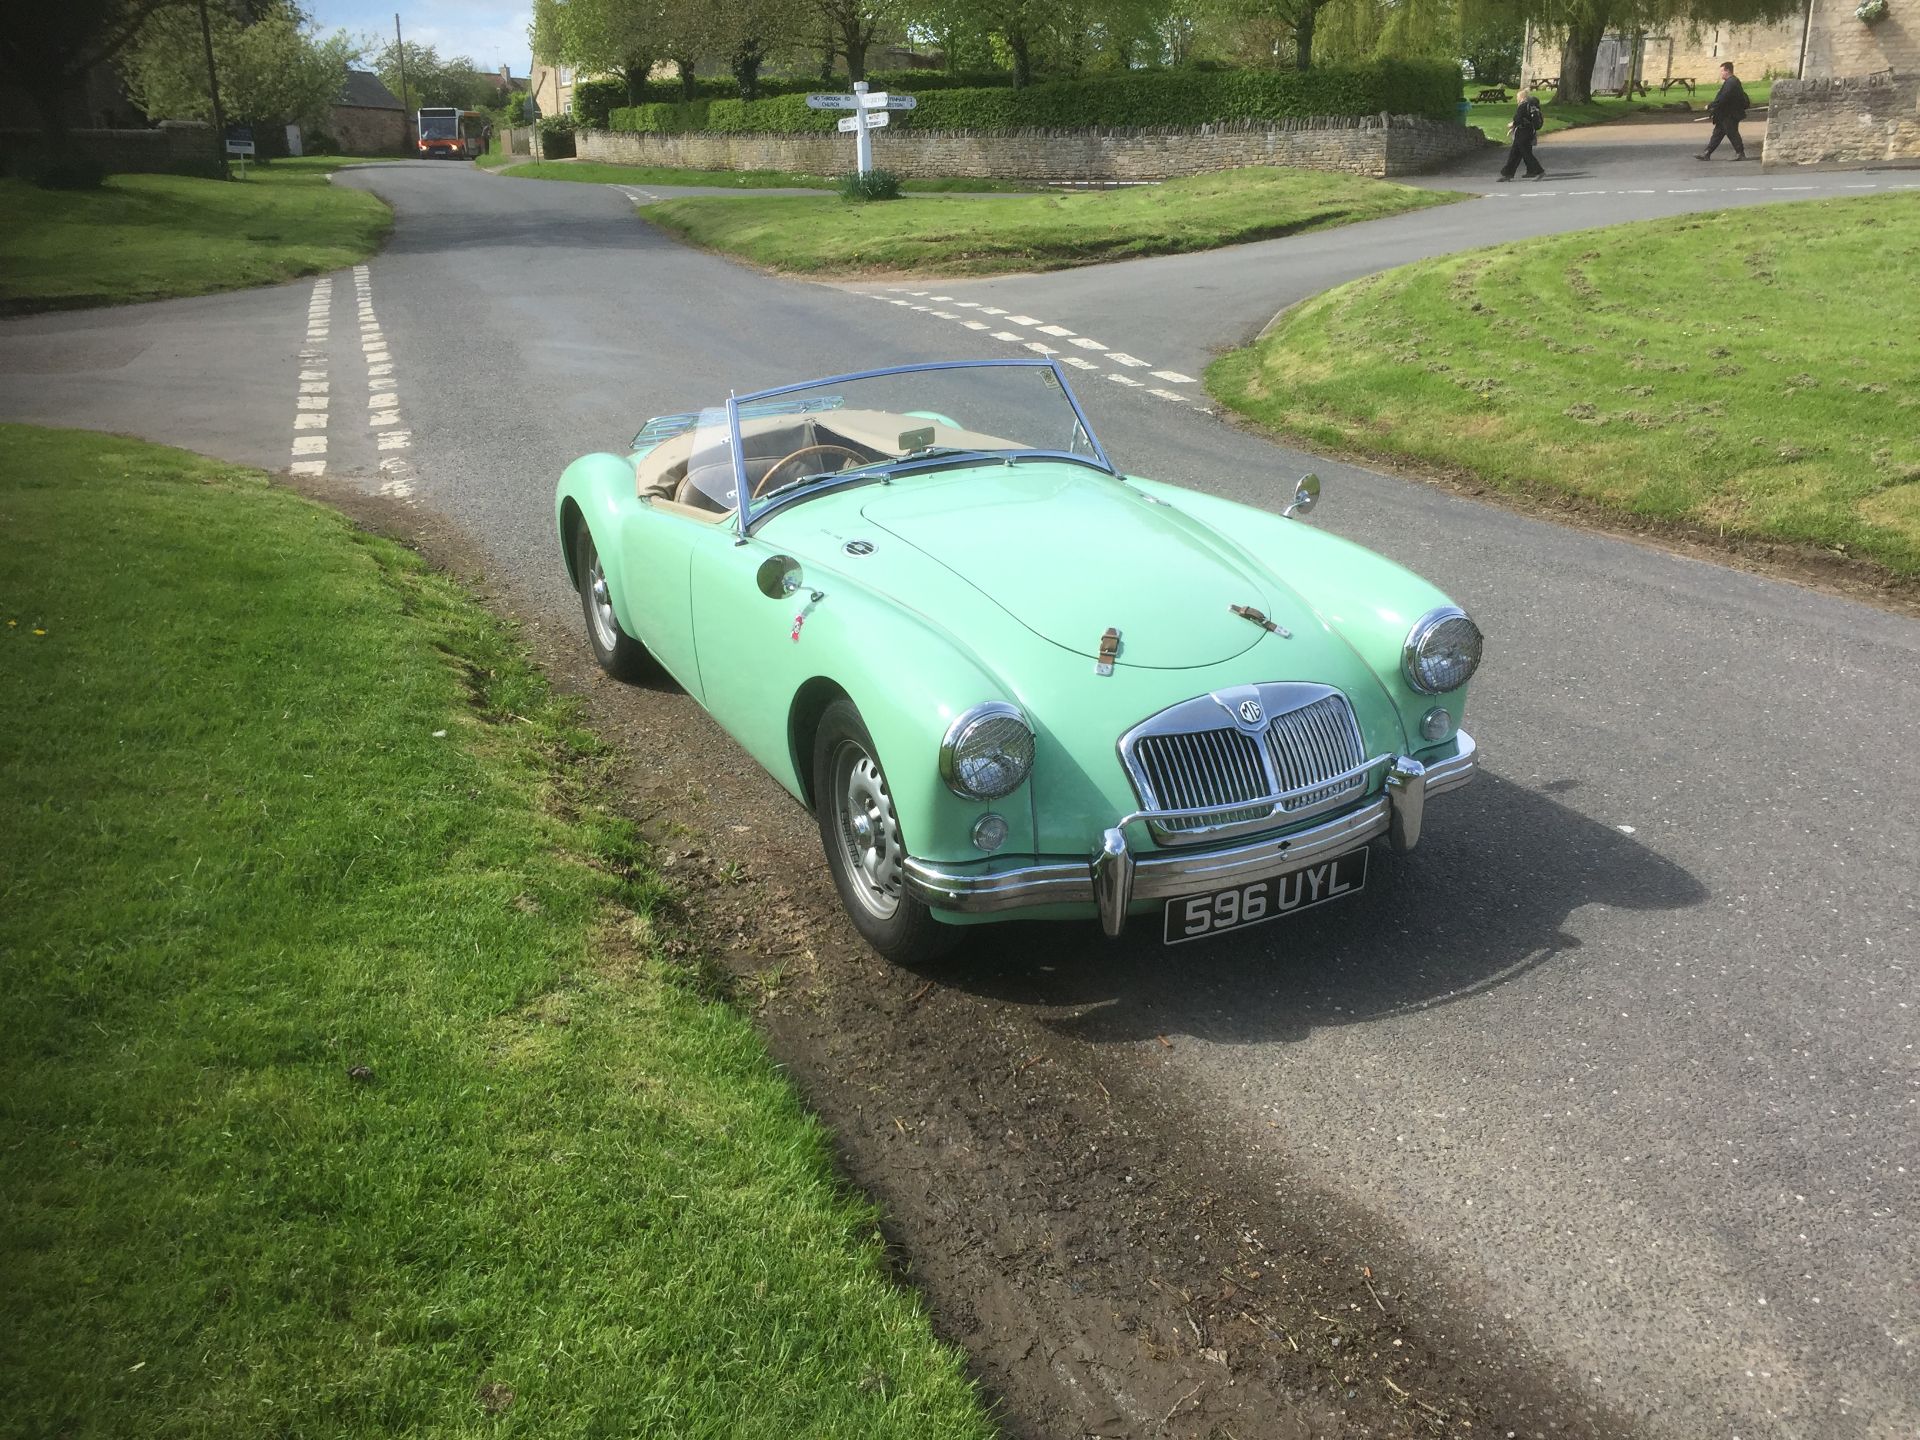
pixel 1194 917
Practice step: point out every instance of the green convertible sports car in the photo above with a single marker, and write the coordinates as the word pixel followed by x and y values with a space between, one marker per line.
pixel 1010 681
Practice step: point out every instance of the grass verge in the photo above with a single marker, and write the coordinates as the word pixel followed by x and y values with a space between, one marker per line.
pixel 1746 373
pixel 936 236
pixel 597 172
pixel 154 237
pixel 346 1089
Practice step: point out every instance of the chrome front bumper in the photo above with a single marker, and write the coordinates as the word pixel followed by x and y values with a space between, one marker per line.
pixel 1115 877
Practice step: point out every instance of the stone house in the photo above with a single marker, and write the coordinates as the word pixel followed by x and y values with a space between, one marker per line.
pixel 368 118
pixel 1857 101
pixel 1759 52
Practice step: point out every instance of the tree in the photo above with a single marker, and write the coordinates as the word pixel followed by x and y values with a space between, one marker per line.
pixel 600 37
pixel 853 25
pixel 429 79
pixel 1294 19
pixel 47 49
pixel 272 70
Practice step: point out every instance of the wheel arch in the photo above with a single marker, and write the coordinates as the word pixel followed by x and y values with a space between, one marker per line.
pixel 571 519
pixel 810 702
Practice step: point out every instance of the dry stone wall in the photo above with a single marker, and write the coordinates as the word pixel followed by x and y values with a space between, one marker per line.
pixel 1847 120
pixel 1859 100
pixel 1376 145
pixel 173 149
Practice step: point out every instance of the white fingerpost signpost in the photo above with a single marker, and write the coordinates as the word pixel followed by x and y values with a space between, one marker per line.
pixel 869 114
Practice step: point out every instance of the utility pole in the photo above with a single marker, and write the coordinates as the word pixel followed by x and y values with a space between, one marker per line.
pixel 213 85
pixel 406 109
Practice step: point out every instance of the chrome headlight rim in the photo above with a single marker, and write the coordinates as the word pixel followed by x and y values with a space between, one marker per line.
pixel 1423 630
pixel 957 732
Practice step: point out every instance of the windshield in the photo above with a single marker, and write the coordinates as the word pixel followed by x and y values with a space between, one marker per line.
pixel 884 424
pixel 439 127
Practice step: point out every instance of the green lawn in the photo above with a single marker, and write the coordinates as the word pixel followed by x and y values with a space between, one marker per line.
pixel 151 237
pixel 938 235
pixel 346 1089
pixel 1752 372
pixel 595 172
pixel 1492 119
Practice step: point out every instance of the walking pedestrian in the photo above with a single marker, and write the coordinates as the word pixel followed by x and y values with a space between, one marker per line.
pixel 1525 124
pixel 1728 108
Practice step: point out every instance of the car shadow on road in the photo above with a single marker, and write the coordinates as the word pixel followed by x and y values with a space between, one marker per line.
pixel 1483 900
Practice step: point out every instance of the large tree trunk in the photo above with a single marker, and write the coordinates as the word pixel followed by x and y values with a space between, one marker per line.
pixel 854 45
pixel 1578 51
pixel 1021 47
pixel 1303 37
pixel 748 56
pixel 685 62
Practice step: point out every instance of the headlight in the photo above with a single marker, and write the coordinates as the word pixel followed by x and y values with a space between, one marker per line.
pixel 1443 651
pixel 987 753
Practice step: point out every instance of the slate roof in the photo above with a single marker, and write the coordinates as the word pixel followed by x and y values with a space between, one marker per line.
pixel 364 91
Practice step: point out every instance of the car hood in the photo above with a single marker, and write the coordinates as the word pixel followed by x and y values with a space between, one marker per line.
pixel 1071 553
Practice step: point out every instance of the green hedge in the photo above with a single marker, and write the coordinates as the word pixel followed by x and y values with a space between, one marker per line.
pixel 667 92
pixel 1138 100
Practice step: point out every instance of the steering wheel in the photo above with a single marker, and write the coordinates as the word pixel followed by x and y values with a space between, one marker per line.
pixel 768 481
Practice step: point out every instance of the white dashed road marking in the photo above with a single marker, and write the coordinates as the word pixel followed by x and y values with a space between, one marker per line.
pixel 1173 377
pixel 397 475
pixel 310 405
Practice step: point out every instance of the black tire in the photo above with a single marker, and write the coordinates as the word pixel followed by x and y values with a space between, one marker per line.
pixel 861 835
pixel 618 653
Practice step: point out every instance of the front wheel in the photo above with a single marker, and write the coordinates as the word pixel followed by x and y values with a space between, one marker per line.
pixel 617 652
pixel 860 831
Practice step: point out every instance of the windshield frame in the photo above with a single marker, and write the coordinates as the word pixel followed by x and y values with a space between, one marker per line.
pixel 745 515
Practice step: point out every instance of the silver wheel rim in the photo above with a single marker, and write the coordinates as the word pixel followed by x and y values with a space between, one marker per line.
pixel 869 831
pixel 606 630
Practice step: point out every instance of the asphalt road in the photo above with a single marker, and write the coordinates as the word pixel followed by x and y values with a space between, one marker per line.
pixel 1627 1048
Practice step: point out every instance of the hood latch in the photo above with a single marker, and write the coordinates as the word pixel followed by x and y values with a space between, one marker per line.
pixel 1247 612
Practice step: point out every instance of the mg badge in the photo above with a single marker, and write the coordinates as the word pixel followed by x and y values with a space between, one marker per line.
pixel 1250 712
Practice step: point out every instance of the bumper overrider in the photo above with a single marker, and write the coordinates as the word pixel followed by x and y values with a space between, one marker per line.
pixel 1114 877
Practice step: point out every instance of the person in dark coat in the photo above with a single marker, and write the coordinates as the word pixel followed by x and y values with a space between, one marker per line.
pixel 1728 108
pixel 1525 124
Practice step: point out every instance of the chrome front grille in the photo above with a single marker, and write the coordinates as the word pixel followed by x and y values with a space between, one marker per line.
pixel 1202 769
pixel 1314 743
pixel 1303 753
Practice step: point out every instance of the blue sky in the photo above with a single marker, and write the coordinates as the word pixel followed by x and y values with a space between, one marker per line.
pixel 491 33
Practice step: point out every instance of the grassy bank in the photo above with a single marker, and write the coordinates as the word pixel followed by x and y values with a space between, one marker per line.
pixel 935 236
pixel 596 172
pixel 1754 372
pixel 346 1091
pixel 152 237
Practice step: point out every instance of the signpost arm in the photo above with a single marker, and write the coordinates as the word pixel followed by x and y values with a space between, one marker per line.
pixel 863 142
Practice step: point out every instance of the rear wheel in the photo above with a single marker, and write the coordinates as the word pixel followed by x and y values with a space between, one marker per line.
pixel 860 831
pixel 618 653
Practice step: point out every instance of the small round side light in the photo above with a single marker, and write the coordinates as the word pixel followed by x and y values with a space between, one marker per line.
pixel 1436 724
pixel 989 832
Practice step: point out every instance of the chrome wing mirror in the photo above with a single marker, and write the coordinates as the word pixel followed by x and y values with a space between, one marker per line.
pixel 1306 495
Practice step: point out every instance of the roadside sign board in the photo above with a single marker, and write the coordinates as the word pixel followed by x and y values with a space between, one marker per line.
pixel 869 113
pixel 239 140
